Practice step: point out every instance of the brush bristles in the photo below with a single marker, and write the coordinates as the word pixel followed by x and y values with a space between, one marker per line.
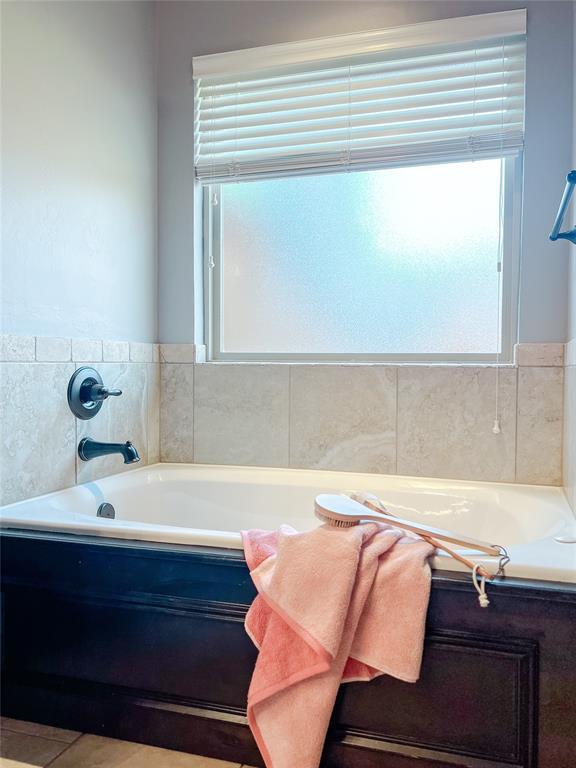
pixel 336 523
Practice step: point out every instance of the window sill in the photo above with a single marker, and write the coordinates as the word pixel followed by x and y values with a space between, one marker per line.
pixel 525 355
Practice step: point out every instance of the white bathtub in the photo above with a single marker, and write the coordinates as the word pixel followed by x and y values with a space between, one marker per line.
pixel 209 505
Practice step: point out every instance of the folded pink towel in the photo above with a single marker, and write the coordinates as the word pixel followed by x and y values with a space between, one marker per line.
pixel 334 605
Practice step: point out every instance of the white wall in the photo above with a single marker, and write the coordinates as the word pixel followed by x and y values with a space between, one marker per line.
pixel 79 147
pixel 187 29
pixel 79 154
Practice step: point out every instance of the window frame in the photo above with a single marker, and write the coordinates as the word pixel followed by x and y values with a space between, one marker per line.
pixel 212 290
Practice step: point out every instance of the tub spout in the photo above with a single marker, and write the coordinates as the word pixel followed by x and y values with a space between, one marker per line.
pixel 91 449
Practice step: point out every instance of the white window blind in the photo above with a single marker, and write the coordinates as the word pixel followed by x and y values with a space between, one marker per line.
pixel 424 93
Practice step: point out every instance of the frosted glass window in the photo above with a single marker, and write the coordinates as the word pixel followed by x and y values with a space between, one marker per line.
pixel 393 262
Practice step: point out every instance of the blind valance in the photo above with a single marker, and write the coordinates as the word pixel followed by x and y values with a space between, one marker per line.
pixel 431 92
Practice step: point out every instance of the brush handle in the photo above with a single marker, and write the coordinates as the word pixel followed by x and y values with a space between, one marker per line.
pixel 464 560
pixel 377 506
pixel 344 509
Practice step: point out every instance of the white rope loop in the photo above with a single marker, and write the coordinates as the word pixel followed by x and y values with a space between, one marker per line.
pixel 480 586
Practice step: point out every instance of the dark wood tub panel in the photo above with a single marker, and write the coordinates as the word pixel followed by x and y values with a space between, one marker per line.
pixel 146 641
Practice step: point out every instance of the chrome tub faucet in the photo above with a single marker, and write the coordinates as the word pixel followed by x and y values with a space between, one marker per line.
pixel 90 449
pixel 86 394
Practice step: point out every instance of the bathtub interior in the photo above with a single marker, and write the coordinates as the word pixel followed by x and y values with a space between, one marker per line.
pixel 228 499
pixel 492 513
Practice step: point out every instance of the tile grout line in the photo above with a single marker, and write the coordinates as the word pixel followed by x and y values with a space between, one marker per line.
pixel 147 380
pixel 517 414
pixel 563 419
pixel 75 448
pixel 397 421
pixel 160 404
pixel 39 735
pixel 289 416
pixel 194 415
pixel 69 744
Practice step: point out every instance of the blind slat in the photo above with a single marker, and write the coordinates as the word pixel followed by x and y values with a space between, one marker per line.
pixel 384 110
pixel 353 134
pixel 372 109
pixel 401 155
pixel 446 79
pixel 453 61
pixel 375 103
pixel 392 138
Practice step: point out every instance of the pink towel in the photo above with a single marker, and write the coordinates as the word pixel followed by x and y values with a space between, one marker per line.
pixel 334 605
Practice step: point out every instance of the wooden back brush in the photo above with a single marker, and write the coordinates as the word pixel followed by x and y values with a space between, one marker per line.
pixel 343 511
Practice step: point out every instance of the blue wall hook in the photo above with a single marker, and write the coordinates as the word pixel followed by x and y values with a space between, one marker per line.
pixel 564 203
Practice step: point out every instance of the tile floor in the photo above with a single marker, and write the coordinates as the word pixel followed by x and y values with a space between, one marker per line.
pixel 31 745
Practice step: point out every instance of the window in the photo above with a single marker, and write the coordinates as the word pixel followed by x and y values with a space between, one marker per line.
pixel 364 205
pixel 394 262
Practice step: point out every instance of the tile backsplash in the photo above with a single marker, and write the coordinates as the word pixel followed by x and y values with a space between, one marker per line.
pixel 343 416
pixel 38 429
pixel 38 432
pixel 407 419
pixel 539 429
pixel 445 421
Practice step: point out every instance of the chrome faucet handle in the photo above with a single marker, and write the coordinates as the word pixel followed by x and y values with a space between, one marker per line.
pixel 100 392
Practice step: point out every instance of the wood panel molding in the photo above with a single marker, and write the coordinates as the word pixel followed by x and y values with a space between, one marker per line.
pixel 498 686
pixel 212 731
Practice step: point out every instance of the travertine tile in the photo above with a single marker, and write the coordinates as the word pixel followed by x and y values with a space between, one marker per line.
pixel 445 420
pixel 53 349
pixel 176 412
pixel 87 350
pixel 19 750
pixel 241 414
pixel 37 430
pixel 38 729
pixel 540 354
pixel 540 410
pixel 120 419
pixel 177 353
pixel 570 434
pixel 17 348
pixel 98 752
pixel 343 417
pixel 141 352
pixel 153 428
pixel 115 351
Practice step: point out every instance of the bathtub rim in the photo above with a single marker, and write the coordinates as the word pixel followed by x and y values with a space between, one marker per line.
pixel 558 490
pixel 559 564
